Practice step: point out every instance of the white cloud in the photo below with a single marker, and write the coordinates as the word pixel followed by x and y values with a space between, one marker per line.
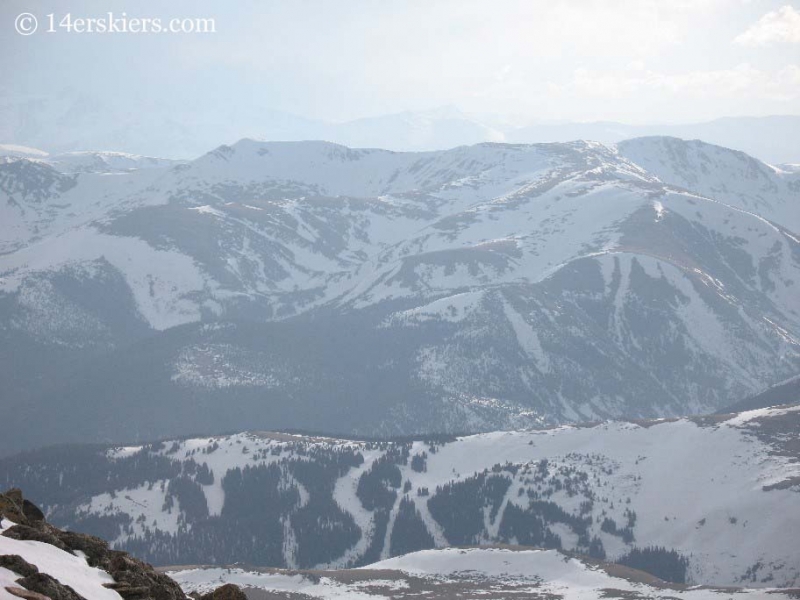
pixel 648 60
pixel 777 26
pixel 741 81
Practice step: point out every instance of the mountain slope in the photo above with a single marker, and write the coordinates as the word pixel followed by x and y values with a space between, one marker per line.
pixel 785 392
pixel 731 177
pixel 549 283
pixel 39 561
pixel 770 138
pixel 700 487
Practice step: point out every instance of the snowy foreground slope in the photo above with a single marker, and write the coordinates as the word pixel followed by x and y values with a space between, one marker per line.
pixel 721 491
pixel 285 285
pixel 67 568
pixel 41 562
pixel 463 573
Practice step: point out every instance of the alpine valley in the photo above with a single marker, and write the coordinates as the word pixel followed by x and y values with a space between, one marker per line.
pixel 270 285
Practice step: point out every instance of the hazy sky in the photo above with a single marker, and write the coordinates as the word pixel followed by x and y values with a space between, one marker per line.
pixel 628 60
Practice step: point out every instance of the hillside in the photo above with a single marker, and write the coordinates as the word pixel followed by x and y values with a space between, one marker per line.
pixel 785 392
pixel 284 285
pixel 698 487
pixel 39 561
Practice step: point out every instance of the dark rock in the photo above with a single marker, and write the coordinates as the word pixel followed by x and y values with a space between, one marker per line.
pixel 25 594
pixel 24 532
pixel 11 507
pixel 133 579
pixel 120 561
pixel 132 593
pixel 32 512
pixel 50 587
pixel 229 591
pixel 15 495
pixel 156 585
pixel 20 566
pixel 140 578
pixel 95 549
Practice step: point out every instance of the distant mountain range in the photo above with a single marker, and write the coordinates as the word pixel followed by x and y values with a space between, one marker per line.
pixel 75 121
pixel 309 285
pixel 771 139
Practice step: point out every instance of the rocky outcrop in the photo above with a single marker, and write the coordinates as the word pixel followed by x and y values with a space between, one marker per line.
pixel 48 586
pixel 133 579
pixel 26 594
pixel 11 506
pixel 229 591
pixel 19 565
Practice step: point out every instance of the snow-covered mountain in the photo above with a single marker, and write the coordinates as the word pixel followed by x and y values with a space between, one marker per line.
pixel 714 498
pixel 311 285
pixel 105 162
pixel 770 139
pixel 15 151
pixel 39 561
pixel 730 177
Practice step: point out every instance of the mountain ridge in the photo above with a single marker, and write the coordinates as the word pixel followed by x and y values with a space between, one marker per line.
pixel 478 281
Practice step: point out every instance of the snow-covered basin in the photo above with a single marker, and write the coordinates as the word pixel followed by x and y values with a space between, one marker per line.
pixel 526 571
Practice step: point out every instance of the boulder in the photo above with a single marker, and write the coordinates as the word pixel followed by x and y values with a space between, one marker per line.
pixel 229 591
pixel 32 534
pixel 11 507
pixel 42 583
pixel 32 512
pixel 26 594
pixel 95 549
pixel 128 592
pixel 15 495
pixel 20 566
